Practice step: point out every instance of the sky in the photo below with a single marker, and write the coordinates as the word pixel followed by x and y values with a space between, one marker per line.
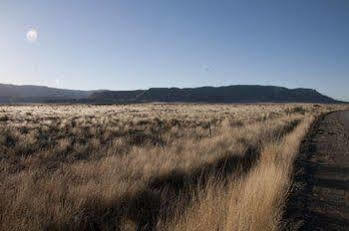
pixel 138 44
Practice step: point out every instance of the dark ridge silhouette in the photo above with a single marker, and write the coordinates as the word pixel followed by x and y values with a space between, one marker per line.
pixel 227 94
pixel 32 94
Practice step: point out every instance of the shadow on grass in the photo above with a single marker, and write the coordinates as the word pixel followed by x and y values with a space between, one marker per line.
pixel 160 198
pixel 165 193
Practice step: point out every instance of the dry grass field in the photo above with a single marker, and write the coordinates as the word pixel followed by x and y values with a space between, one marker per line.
pixel 149 166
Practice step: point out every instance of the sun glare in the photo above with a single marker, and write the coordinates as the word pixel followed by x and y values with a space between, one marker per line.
pixel 32 35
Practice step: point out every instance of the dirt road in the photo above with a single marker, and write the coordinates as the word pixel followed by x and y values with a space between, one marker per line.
pixel 320 196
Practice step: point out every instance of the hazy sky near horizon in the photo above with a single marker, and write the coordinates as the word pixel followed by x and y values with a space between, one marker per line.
pixel 130 44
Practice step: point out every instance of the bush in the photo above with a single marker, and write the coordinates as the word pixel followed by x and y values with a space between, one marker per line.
pixel 295 110
pixel 4 118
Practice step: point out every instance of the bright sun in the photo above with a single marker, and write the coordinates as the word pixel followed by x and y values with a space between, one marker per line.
pixel 32 35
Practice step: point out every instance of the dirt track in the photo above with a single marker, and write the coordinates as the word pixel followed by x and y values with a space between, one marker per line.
pixel 320 196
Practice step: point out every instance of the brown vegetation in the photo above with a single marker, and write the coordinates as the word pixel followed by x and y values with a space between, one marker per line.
pixel 148 167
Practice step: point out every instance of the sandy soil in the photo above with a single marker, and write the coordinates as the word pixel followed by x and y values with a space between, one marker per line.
pixel 319 198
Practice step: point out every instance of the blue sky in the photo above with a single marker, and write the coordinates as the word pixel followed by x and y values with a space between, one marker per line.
pixel 129 44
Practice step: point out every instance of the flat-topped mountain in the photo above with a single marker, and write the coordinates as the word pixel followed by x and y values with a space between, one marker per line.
pixel 226 94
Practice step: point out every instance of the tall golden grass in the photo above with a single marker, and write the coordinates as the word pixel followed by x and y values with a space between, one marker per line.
pixel 148 167
pixel 253 202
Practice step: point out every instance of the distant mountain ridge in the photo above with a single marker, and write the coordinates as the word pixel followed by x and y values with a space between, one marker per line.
pixel 227 94
pixel 35 94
